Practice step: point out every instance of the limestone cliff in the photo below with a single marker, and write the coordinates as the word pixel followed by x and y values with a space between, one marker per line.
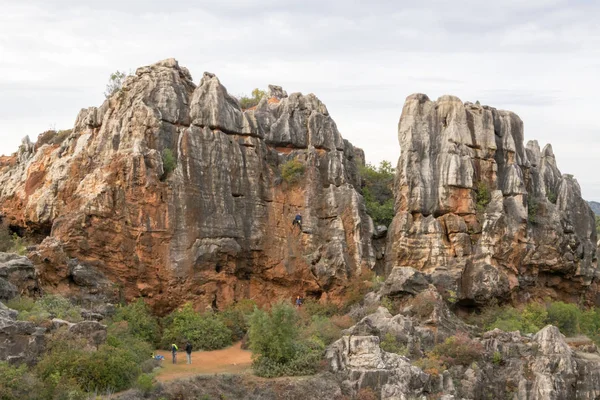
pixel 214 229
pixel 484 214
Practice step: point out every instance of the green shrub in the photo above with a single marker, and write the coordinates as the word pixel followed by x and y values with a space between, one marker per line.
pixel 16 382
pixel 497 358
pixel 564 316
pixel 314 307
pixel 108 368
pixel 50 306
pixel 10 242
pixel 145 384
pixel 21 304
pixel 249 102
pixel 530 320
pixel 121 336
pixel 598 224
pixel 141 323
pixel 169 162
pixel 431 364
pixel 276 343
pixel 292 170
pixel 551 195
pixel 235 317
pixel 203 331
pixel 483 196
pixel 115 83
pixel 377 189
pixel 458 350
pixel 323 329
pixel 532 209
pixel 391 345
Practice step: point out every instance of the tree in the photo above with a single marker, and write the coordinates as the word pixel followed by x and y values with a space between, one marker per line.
pixel 249 102
pixel 115 83
pixel 377 189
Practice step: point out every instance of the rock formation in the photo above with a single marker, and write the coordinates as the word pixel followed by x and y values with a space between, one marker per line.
pixel 483 214
pixel 213 227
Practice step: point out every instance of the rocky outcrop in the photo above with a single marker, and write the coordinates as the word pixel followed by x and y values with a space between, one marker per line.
pixel 17 276
pixel 173 192
pixel 483 214
pixel 511 366
pixel 20 341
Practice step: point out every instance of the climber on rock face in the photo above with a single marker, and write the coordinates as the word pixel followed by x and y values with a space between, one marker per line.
pixel 297 221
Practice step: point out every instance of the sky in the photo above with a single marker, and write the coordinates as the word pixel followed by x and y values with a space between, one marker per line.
pixel 539 59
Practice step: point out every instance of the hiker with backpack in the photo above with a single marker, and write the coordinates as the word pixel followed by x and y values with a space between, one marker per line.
pixel 174 349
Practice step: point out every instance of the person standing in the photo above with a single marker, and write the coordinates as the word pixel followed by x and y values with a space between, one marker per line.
pixel 174 349
pixel 188 352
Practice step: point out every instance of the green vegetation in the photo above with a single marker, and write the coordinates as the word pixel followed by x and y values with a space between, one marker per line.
pixel 249 102
pixel 568 317
pixel 52 137
pixel 169 162
pixel 391 345
pixel 115 83
pixel 551 195
pixel 291 171
pixel 483 196
pixel 141 323
pixel 458 350
pixel 532 209
pixel 10 242
pixel 47 307
pixel 236 317
pixel 598 224
pixel 377 190
pixel 277 345
pixel 203 331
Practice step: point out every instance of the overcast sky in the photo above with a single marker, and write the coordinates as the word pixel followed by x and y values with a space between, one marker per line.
pixel 538 58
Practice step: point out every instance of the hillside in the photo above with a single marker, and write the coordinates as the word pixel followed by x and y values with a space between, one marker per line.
pixel 595 206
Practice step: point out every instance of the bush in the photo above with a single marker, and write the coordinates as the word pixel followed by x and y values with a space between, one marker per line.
pixel 377 189
pixel 483 196
pixel 120 336
pixel 17 382
pixel 597 224
pixel 109 368
pixel 141 323
pixel 10 242
pixel 431 364
pixel 47 307
pixel 276 345
pixel 314 307
pixel 203 331
pixel 458 350
pixel 323 329
pixel 249 102
pixel 115 83
pixel 564 316
pixel 291 171
pixel 530 320
pixel 391 345
pixel 169 162
pixel 551 195
pixel 532 209
pixel 235 317
pixel 52 137
pixel 145 384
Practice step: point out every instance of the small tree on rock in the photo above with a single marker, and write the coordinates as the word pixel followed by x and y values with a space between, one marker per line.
pixel 115 83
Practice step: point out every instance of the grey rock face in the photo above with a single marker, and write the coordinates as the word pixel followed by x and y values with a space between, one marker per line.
pixel 404 280
pixel 488 215
pixel 20 341
pixel 17 275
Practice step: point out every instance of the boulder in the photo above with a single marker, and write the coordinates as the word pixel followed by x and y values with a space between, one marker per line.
pixel 404 280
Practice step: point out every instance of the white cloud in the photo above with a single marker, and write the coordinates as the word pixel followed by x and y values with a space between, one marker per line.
pixel 538 58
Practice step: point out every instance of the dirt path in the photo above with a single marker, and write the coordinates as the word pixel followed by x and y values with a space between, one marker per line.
pixel 230 360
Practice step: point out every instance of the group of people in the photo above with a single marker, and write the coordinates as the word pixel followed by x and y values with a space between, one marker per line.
pixel 174 350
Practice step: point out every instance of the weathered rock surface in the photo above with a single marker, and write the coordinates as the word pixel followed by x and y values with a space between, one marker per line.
pixel 17 276
pixel 513 366
pixel 218 226
pixel 483 214
pixel 20 341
